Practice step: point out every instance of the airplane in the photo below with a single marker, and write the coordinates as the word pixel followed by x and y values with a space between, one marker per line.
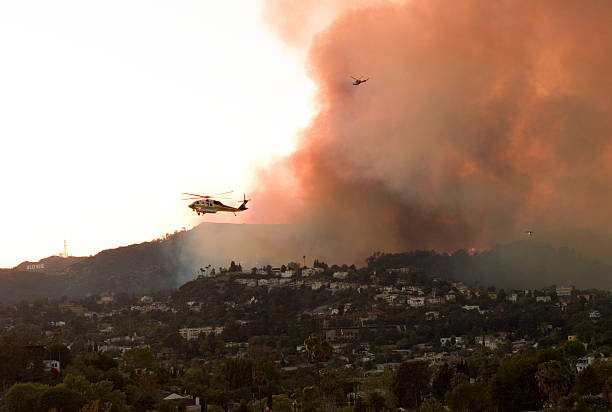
pixel 358 81
pixel 207 204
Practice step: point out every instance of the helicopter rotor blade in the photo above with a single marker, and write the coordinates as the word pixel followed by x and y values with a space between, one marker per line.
pixel 197 196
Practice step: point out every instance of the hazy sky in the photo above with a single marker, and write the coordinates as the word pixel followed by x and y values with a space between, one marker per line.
pixel 109 110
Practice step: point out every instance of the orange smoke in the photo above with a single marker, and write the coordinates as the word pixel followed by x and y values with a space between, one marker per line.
pixel 481 119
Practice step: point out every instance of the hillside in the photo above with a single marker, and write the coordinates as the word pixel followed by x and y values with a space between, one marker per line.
pixel 140 268
pixel 53 265
pixel 171 262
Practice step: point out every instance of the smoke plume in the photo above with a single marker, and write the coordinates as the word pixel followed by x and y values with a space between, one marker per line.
pixel 480 120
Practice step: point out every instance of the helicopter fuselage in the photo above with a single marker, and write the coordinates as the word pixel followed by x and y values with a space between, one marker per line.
pixel 202 206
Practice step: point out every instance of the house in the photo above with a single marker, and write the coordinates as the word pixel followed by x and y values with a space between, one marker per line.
pixel 491 342
pixel 315 284
pixel 451 341
pixel 414 290
pixel 594 314
pixel 573 338
pixel 447 341
pixel 543 299
pixel 146 299
pixel 434 300
pixel 463 289
pixel 340 275
pixel 583 363
pixel 521 343
pixel 193 333
pixel 335 334
pixel 432 315
pixel 404 270
pixel 106 298
pixel 289 273
pixel 390 297
pixel 51 365
pixel 416 301
pixel 184 403
pixel 390 366
pixel 564 291
pixel 72 307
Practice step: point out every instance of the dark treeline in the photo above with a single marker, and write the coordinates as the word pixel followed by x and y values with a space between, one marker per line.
pixel 525 264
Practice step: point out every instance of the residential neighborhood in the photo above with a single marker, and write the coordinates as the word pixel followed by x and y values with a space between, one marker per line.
pixel 373 320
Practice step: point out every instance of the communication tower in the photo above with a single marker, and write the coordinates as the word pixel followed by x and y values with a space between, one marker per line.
pixel 65 253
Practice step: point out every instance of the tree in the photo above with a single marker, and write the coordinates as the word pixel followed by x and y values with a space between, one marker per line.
pixel 196 382
pixel 13 360
pixel 319 264
pixel 60 352
pixel 554 379
pixel 514 387
pixel 431 404
pixel 587 382
pixel 317 351
pixel 442 381
pixel 310 399
pixel 293 266
pixel 588 403
pixel 411 383
pixel 467 397
pixel 282 403
pixel 24 397
pixel 102 392
pixel 234 267
pixel 94 406
pixel 61 398
pixel 211 342
pixel 573 349
pixel 138 360
pixel 238 372
pixel 376 401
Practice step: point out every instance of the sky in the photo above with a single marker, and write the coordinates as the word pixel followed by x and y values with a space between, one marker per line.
pixel 479 122
pixel 110 110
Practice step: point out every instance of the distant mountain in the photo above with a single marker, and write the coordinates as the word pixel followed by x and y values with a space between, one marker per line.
pixel 170 262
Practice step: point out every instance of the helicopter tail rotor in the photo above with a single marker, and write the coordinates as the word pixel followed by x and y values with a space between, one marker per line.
pixel 244 202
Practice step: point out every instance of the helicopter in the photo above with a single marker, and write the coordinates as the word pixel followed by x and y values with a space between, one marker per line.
pixel 529 232
pixel 208 204
pixel 358 81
